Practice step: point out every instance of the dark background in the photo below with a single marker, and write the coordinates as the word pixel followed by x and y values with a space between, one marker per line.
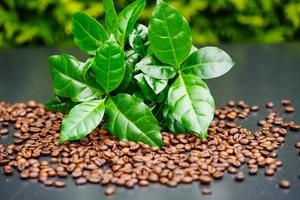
pixel 261 73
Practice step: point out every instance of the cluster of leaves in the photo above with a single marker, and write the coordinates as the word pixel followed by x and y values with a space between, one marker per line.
pixel 140 79
pixel 47 22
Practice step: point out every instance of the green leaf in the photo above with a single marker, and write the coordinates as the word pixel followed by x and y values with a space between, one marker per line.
pixel 172 123
pixel 87 66
pixel 150 66
pixel 191 103
pixel 59 104
pixel 82 119
pixel 132 120
pixel 109 65
pixel 69 80
pixel 131 58
pixel 147 91
pixel 138 40
pixel 128 18
pixel 156 85
pixel 169 35
pixel 88 33
pixel 111 17
pixel 126 80
pixel 208 62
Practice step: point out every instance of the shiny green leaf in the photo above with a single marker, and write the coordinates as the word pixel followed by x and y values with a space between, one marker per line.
pixel 128 18
pixel 147 91
pixel 208 62
pixel 131 58
pixel 138 40
pixel 59 104
pixel 191 103
pixel 109 65
pixel 156 85
pixel 87 66
pixel 150 66
pixel 172 123
pixel 69 80
pixel 88 33
pixel 82 119
pixel 111 17
pixel 132 120
pixel 169 35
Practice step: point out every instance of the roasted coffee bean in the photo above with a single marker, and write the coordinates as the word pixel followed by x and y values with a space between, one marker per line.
pixel 289 109
pixel 206 191
pixel 205 179
pixel 254 108
pixel 59 184
pixel 284 184
pixel 270 104
pixel 269 172
pixel 110 190
pixel 285 102
pixel 297 145
pixel 4 131
pixel 8 170
pixel 80 181
pixel 239 176
pixel 101 158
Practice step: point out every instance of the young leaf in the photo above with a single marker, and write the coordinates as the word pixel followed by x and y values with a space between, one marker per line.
pixel 156 85
pixel 208 62
pixel 126 80
pixel 111 17
pixel 59 104
pixel 147 91
pixel 128 18
pixel 132 120
pixel 88 33
pixel 87 65
pixel 138 40
pixel 169 35
pixel 109 65
pixel 150 66
pixel 82 119
pixel 69 81
pixel 131 58
pixel 191 103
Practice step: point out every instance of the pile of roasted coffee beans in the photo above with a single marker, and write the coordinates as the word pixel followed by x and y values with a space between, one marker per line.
pixel 102 159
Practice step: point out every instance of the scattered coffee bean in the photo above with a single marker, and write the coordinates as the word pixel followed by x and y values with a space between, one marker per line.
pixel 285 102
pixel 284 184
pixel 101 158
pixel 270 104
pixel 297 145
pixel 110 190
pixel 289 109
pixel 239 176
pixel 206 191
pixel 59 184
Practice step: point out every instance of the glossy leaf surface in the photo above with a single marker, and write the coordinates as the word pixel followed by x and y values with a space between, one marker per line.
pixel 208 62
pixel 132 120
pixel 150 66
pixel 169 35
pixel 88 33
pixel 190 102
pixel 109 65
pixel 138 40
pixel 128 18
pixel 82 119
pixel 69 80
pixel 111 17
pixel 156 85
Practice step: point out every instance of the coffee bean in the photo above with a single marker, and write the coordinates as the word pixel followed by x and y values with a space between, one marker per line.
pixel 8 170
pixel 80 181
pixel 4 131
pixel 59 184
pixel 239 176
pixel 110 190
pixel 254 108
pixel 269 104
pixel 187 179
pixel 297 145
pixel 285 102
pixel 206 191
pixel 289 109
pixel 284 184
pixel 269 172
pixel 205 179
pixel 218 175
pixel 49 183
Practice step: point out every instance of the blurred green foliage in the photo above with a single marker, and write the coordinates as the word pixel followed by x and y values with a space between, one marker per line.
pixel 48 22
